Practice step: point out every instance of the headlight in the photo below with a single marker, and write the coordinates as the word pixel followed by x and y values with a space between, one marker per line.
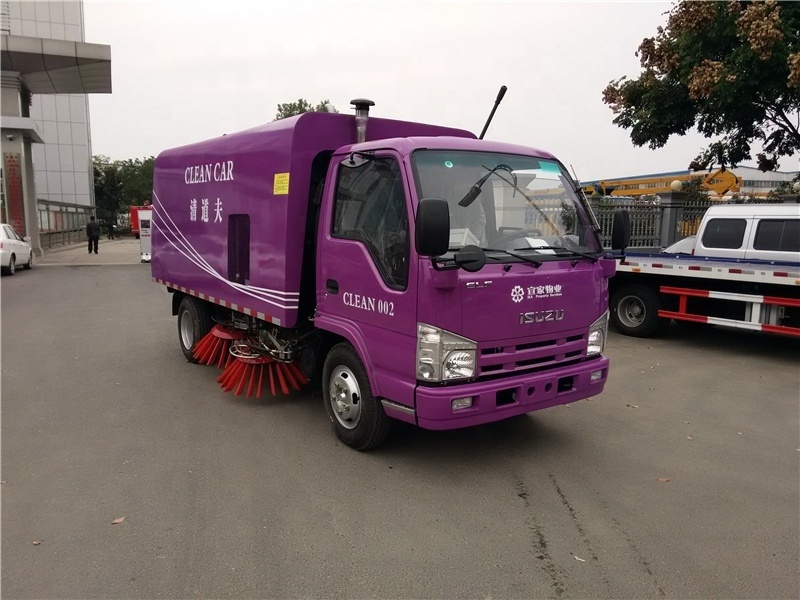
pixel 443 356
pixel 597 335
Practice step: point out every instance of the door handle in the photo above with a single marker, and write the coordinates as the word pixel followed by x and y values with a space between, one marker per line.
pixel 332 286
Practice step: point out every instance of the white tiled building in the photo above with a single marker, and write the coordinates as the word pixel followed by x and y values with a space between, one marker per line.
pixel 47 70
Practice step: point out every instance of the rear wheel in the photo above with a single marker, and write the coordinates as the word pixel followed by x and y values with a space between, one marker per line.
pixel 194 322
pixel 357 417
pixel 29 265
pixel 634 311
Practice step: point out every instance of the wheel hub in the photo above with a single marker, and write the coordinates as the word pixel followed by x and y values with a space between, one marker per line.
pixel 345 397
pixel 633 312
pixel 187 330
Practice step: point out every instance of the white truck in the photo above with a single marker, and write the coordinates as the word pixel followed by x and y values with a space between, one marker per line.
pixel 741 270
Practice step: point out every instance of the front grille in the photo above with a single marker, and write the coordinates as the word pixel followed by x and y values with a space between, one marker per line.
pixel 511 356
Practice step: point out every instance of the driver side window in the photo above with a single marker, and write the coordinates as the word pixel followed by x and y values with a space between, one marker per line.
pixel 371 208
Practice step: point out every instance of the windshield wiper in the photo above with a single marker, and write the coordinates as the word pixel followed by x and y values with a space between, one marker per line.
pixel 475 190
pixel 527 259
pixel 591 257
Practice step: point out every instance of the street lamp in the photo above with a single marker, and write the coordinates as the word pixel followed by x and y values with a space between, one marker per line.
pixel 676 186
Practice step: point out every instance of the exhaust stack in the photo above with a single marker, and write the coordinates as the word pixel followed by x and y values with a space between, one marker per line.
pixel 362 116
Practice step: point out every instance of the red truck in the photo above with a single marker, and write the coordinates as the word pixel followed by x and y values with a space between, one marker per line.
pixel 134 217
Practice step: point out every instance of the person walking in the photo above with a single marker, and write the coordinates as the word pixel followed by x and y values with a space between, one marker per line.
pixel 93 234
pixel 111 230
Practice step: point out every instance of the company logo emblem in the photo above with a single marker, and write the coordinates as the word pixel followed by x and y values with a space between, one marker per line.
pixel 517 293
pixel 541 316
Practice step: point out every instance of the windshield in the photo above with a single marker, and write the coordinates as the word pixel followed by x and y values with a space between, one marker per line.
pixel 506 202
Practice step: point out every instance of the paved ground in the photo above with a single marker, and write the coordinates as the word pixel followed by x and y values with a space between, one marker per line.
pixel 231 498
pixel 120 251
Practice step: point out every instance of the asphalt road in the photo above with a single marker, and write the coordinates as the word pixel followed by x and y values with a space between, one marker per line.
pixel 228 497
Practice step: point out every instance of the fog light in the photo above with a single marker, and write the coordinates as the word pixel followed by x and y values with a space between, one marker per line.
pixel 462 403
pixel 597 375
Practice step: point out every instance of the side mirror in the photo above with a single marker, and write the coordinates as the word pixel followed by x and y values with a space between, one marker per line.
pixel 432 237
pixel 621 230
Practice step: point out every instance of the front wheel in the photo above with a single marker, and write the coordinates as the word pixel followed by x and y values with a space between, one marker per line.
pixel 194 322
pixel 634 311
pixel 11 268
pixel 357 417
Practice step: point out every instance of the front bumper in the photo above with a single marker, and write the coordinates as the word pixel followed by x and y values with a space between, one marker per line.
pixel 509 396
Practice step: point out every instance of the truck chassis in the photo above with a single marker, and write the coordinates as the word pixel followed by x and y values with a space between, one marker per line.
pixel 650 290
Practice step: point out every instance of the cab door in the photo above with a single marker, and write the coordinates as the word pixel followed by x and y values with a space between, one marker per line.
pixel 366 280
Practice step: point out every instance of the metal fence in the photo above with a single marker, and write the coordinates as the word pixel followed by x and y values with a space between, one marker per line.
pixel 651 223
pixel 645 222
pixel 62 238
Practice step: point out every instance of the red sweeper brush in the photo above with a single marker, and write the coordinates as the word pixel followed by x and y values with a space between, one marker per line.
pixel 214 348
pixel 254 373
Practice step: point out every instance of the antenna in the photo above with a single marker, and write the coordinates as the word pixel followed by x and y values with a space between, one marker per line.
pixel 500 95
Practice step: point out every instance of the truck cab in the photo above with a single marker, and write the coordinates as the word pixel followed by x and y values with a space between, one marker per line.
pixel 469 274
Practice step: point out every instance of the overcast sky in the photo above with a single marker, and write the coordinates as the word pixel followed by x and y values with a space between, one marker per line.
pixel 185 71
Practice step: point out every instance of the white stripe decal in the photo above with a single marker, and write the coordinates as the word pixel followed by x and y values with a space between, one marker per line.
pixel 176 238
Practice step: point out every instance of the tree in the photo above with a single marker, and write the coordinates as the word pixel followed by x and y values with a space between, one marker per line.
pixel 120 183
pixel 291 109
pixel 107 188
pixel 693 192
pixel 785 187
pixel 732 69
pixel 136 176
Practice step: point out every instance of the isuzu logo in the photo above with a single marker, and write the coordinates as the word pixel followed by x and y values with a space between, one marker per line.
pixel 541 316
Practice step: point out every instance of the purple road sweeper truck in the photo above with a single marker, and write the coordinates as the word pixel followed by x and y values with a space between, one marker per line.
pixel 409 271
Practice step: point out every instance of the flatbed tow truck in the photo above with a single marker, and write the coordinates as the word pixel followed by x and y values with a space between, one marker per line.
pixel 649 290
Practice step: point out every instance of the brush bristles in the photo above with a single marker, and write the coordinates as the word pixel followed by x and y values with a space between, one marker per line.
pixel 248 375
pixel 214 348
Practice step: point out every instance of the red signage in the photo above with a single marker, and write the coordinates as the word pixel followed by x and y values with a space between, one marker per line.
pixel 15 204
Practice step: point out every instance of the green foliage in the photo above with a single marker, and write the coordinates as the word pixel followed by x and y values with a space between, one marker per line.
pixel 121 183
pixel 730 69
pixel 786 187
pixel 136 176
pixel 291 109
pixel 107 188
pixel 693 191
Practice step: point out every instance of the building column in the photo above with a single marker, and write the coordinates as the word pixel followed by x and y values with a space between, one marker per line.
pixel 19 191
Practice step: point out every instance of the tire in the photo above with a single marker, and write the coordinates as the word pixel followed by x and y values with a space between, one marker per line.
pixel 634 311
pixel 11 268
pixel 29 265
pixel 194 322
pixel 357 417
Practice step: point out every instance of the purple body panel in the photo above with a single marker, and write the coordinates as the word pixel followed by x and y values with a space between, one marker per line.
pixel 237 174
pixel 524 393
pixel 536 365
pixel 530 324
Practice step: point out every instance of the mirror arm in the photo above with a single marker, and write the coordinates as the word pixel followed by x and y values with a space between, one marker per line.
pixel 442 266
